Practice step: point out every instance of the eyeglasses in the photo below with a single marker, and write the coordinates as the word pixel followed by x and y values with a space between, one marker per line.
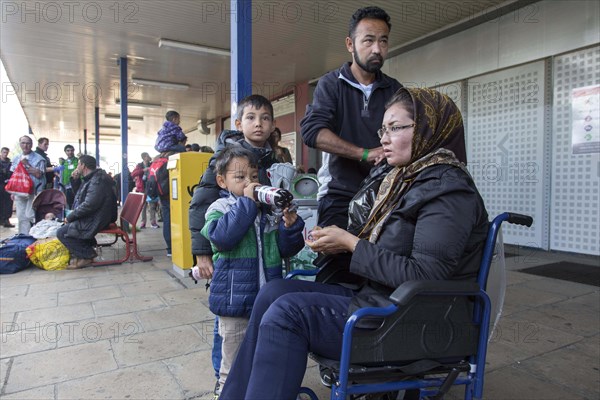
pixel 393 130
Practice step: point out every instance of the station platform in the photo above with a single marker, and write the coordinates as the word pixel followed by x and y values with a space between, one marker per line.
pixel 139 331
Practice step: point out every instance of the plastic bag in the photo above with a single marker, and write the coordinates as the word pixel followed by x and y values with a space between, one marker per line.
pixel 20 183
pixel 362 202
pixel 49 254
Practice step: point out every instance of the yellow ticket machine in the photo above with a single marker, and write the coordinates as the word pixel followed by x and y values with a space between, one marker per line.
pixel 185 170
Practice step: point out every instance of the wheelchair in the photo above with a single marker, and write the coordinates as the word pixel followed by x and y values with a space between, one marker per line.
pixel 434 336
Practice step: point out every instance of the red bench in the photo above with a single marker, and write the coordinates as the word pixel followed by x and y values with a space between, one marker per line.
pixel 129 215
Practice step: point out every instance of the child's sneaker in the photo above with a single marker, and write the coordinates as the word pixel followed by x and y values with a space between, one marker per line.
pixel 143 225
pixel 155 226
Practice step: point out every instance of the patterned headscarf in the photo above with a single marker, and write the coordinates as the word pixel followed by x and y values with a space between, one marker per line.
pixel 438 139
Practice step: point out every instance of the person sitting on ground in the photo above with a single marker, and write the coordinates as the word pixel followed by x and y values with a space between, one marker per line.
pixel 235 223
pixel 171 137
pixel 426 202
pixel 95 208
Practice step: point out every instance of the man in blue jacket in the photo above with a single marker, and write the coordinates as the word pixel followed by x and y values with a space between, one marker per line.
pixel 347 111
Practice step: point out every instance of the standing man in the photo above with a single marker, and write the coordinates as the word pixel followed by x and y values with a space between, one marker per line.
pixel 41 149
pixel 69 166
pixel 94 209
pixel 6 203
pixel 347 110
pixel 35 165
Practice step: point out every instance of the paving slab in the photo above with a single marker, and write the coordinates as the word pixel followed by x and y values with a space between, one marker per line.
pixel 7 321
pixel 52 316
pixel 88 295
pixel 32 340
pixel 56 287
pixel 124 305
pixel 174 316
pixel 148 381
pixel 28 303
pixel 4 365
pixel 115 279
pixel 518 384
pixel 13 291
pixel 516 277
pixel 41 393
pixel 568 316
pixel 583 359
pixel 136 289
pixel 528 297
pixel 197 295
pixel 591 300
pixel 59 365
pixel 29 276
pixel 157 345
pixel 194 373
pixel 122 327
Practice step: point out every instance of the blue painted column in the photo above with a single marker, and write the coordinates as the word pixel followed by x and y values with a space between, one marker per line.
pixel 97 136
pixel 241 53
pixel 124 171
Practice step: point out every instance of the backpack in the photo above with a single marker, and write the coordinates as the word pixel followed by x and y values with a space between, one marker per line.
pixel 157 184
pixel 13 257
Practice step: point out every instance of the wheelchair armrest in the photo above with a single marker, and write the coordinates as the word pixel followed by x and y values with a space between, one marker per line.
pixel 302 272
pixel 409 289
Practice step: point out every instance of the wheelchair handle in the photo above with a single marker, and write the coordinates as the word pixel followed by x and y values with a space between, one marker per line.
pixel 519 219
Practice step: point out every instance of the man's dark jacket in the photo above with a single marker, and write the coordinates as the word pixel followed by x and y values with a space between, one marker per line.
pixel 341 106
pixel 95 206
pixel 208 190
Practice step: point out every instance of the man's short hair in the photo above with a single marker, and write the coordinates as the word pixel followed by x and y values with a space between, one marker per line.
pixel 29 139
pixel 367 12
pixel 43 139
pixel 5 148
pixel 88 161
pixel 255 100
pixel 171 115
pixel 69 146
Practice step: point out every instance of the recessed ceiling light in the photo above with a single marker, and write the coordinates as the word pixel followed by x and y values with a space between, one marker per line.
pixel 162 84
pixel 129 117
pixel 195 48
pixel 139 103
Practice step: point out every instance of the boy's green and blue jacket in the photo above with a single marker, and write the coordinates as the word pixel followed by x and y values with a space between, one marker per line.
pixel 244 242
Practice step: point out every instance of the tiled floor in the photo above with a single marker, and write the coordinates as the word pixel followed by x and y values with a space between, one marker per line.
pixel 138 331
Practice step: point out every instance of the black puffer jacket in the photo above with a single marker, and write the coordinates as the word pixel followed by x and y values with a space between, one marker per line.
pixel 208 190
pixel 418 243
pixel 95 206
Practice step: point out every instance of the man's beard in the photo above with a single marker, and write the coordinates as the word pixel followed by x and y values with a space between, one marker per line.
pixel 368 66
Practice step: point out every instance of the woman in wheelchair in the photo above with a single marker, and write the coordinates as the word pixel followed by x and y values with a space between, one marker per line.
pixel 428 222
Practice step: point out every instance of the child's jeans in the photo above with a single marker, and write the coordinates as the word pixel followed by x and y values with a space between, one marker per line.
pixel 232 331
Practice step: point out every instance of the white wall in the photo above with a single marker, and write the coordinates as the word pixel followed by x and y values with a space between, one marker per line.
pixel 539 30
pixel 529 134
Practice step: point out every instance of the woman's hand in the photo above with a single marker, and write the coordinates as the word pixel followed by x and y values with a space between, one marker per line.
pixel 332 240
pixel 289 217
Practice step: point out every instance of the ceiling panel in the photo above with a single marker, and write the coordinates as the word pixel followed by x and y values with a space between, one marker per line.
pixel 64 65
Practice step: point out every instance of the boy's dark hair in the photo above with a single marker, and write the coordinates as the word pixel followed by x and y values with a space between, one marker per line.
pixel 88 161
pixel 367 12
pixel 255 100
pixel 42 140
pixel 69 146
pixel 225 157
pixel 5 148
pixel 195 147
pixel 171 115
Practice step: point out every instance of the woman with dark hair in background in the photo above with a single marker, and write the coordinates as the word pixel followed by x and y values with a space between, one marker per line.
pixel 282 154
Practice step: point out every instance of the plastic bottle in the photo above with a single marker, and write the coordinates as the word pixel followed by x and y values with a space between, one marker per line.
pixel 273 196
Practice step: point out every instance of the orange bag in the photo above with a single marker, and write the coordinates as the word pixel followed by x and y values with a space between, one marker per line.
pixel 20 182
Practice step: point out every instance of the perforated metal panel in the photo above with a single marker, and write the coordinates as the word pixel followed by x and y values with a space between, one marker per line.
pixel 575 177
pixel 505 147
